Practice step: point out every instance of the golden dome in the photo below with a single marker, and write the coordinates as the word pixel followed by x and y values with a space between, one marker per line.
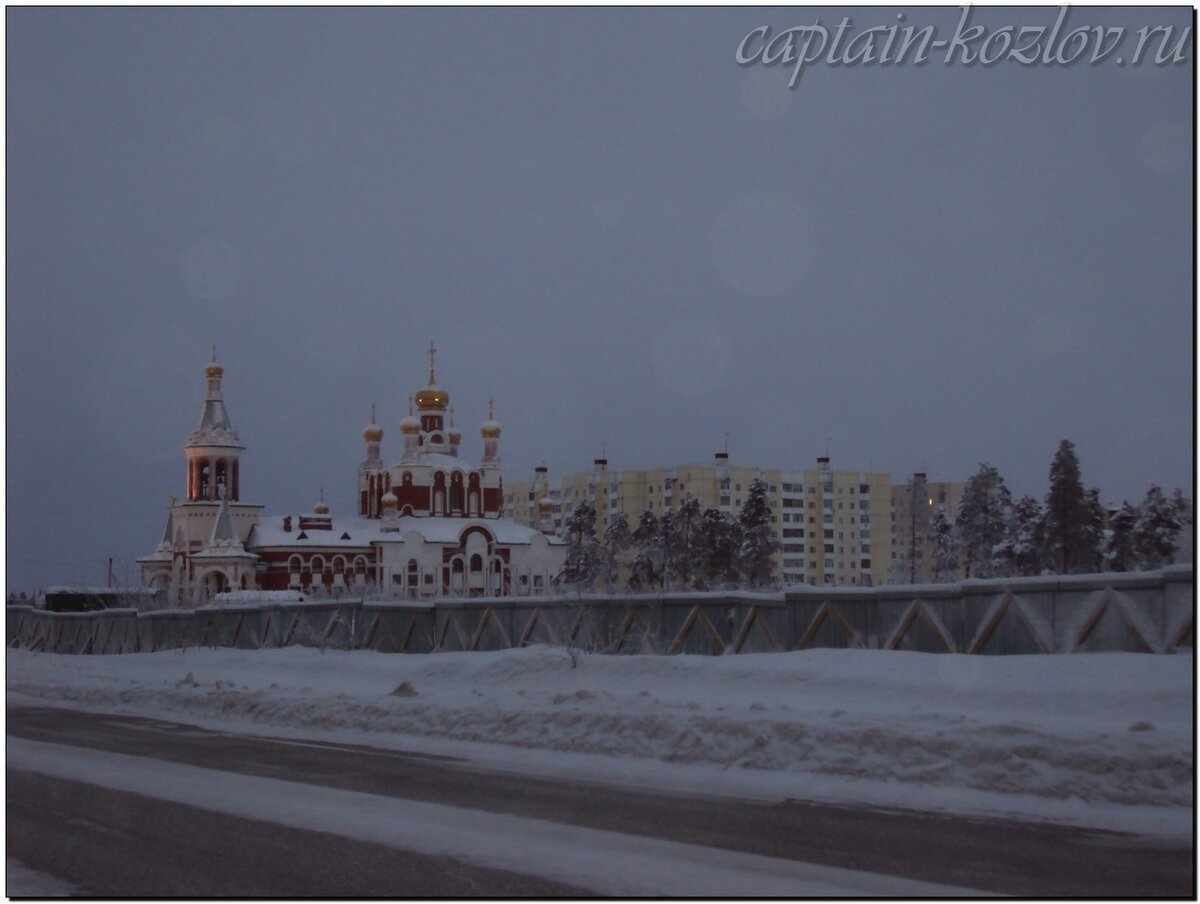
pixel 490 428
pixel 432 399
pixel 545 504
pixel 372 433
pixel 389 500
pixel 213 370
pixel 410 425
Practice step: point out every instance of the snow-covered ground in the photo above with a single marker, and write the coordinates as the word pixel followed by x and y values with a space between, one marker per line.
pixel 1100 739
pixel 21 881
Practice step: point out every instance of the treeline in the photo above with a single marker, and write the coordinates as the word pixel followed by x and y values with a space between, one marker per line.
pixel 992 535
pixel 687 548
pixel 1070 532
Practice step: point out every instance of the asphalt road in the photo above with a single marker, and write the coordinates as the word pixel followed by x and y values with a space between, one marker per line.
pixel 76 831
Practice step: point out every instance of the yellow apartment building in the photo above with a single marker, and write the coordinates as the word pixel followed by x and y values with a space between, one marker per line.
pixel 833 527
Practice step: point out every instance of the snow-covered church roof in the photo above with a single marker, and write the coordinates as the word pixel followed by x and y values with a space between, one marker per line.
pixel 361 532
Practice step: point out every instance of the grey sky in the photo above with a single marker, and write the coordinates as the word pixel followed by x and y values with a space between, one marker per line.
pixel 604 223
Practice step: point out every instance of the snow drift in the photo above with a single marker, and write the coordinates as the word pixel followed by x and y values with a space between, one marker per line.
pixel 1110 729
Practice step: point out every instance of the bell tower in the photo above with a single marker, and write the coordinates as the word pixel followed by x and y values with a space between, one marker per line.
pixel 213 450
pixel 201 552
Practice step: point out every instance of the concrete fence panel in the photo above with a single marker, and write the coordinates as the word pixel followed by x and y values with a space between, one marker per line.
pixel 1148 612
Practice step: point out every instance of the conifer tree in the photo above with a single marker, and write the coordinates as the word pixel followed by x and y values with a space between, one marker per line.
pixel 647 544
pixel 1094 531
pixel 584 553
pixel 687 524
pixel 945 546
pixel 1022 549
pixel 1070 546
pixel 617 539
pixel 718 544
pixel 983 518
pixel 1120 553
pixel 669 547
pixel 758 536
pixel 1156 532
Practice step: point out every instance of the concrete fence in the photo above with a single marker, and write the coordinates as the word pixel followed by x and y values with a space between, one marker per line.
pixel 1149 612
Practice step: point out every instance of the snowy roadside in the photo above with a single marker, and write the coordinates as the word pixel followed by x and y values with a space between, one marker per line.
pixel 21 881
pixel 1102 740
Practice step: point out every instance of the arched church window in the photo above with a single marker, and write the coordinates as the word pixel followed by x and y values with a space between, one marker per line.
pixel 476 563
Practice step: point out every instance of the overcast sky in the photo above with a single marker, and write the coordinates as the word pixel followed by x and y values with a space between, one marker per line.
pixel 605 224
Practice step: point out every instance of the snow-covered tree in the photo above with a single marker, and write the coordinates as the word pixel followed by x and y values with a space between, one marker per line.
pixel 945 546
pixel 669 549
pixel 618 538
pixel 679 542
pixel 1120 553
pixel 718 544
pixel 983 518
pixel 1021 550
pixel 1094 530
pixel 585 556
pixel 1156 532
pixel 647 545
pixel 1071 545
pixel 758 536
pixel 898 572
pixel 1187 520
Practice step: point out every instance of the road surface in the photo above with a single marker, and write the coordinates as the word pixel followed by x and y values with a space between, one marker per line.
pixel 114 841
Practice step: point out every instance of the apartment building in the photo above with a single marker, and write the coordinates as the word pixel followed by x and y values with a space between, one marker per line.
pixel 833 527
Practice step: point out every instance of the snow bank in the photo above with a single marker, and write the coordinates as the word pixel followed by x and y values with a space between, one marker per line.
pixel 1046 736
pixel 241 597
pixel 21 881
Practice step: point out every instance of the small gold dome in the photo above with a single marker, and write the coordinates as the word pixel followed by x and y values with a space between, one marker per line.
pixel 213 370
pixel 410 425
pixel 373 433
pixel 545 504
pixel 432 399
pixel 490 428
pixel 389 500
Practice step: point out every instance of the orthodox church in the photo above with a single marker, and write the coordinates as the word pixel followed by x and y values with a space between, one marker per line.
pixel 428 525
